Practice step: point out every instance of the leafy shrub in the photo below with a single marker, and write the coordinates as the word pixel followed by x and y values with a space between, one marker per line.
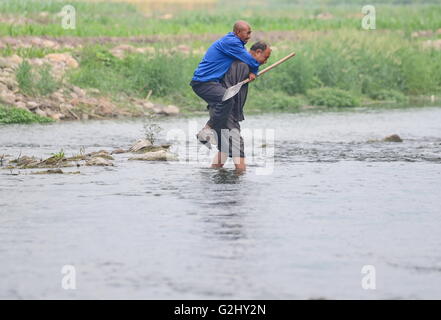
pixel 137 74
pixel 46 84
pixel 388 95
pixel 14 115
pixel 332 97
pixel 36 83
pixel 274 100
pixel 296 76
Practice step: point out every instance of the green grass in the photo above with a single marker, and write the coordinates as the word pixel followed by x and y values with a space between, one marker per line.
pixel 29 53
pixel 25 78
pixel 272 100
pixel 167 77
pixel 123 19
pixel 381 67
pixel 388 95
pixel 36 82
pixel 13 115
pixel 341 64
pixel 332 97
pixel 58 156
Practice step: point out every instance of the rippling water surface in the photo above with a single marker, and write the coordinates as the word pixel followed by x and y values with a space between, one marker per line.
pixel 334 199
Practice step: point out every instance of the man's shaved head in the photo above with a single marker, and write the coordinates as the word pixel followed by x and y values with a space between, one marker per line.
pixel 240 25
pixel 242 29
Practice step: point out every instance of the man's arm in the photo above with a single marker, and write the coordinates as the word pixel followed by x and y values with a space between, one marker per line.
pixel 237 50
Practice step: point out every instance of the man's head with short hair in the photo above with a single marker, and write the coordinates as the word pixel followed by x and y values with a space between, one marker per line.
pixel 261 51
pixel 242 30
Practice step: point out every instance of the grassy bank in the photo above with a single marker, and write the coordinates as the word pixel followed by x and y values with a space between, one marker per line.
pixel 338 64
pixel 10 115
pixel 125 19
pixel 367 67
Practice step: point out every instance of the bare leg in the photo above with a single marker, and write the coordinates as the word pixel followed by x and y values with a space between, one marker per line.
pixel 219 160
pixel 239 163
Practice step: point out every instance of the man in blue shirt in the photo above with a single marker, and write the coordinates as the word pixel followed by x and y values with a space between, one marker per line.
pixel 226 63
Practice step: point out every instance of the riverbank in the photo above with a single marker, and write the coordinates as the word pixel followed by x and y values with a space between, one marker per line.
pixel 102 74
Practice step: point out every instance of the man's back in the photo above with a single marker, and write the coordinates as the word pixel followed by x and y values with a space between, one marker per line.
pixel 220 56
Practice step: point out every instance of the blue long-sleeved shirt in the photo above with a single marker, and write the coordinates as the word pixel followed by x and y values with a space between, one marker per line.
pixel 220 56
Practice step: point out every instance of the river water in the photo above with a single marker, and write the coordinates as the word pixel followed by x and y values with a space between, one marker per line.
pixel 297 225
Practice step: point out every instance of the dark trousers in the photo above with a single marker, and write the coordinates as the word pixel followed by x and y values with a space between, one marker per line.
pixel 224 113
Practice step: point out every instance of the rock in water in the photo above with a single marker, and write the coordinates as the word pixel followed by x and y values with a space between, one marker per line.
pixel 393 138
pixel 50 171
pixel 26 161
pixel 141 143
pixel 160 155
pixel 118 151
pixel 170 110
pixel 100 154
pixel 98 162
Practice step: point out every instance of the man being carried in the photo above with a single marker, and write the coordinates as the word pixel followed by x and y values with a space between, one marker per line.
pixel 226 63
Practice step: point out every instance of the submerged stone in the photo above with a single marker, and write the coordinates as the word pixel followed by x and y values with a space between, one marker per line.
pixel 161 155
pixel 53 161
pixel 77 158
pixel 393 138
pixel 104 156
pixel 25 162
pixel 101 154
pixel 50 171
pixel 118 151
pixel 140 144
pixel 98 161
pixel 151 149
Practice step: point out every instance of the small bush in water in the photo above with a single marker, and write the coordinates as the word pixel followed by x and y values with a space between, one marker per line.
pixel 151 128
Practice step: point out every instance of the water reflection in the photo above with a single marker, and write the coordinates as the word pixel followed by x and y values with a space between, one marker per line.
pixel 226 176
pixel 225 199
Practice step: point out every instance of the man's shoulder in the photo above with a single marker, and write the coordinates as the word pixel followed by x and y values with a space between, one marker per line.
pixel 230 38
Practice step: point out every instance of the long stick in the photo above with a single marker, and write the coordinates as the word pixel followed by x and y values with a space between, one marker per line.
pixel 277 63
pixel 232 91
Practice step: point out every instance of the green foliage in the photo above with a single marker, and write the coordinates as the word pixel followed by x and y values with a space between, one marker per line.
pixel 151 128
pixel 162 74
pixel 40 83
pixel 58 156
pixel 383 64
pixel 332 97
pixel 359 63
pixel 418 71
pixel 165 75
pixel 98 69
pixel 294 77
pixel 274 101
pixel 25 78
pixel 388 95
pixel 98 18
pixel 46 84
pixel 14 115
pixel 32 52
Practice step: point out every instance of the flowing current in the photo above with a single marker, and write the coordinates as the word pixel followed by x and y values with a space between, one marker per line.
pixel 323 197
